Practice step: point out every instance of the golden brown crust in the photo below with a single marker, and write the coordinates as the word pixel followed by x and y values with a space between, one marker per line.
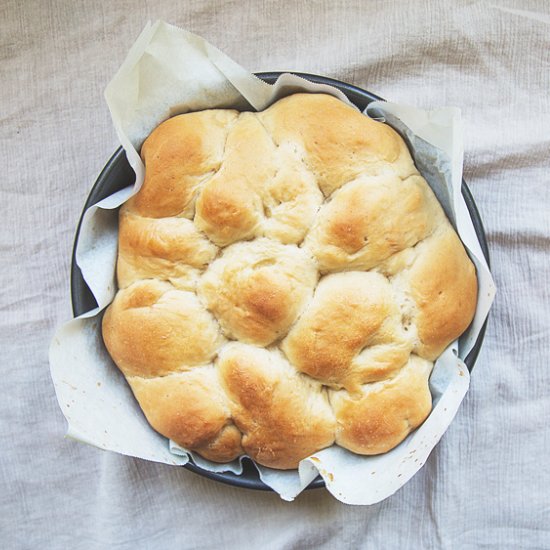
pixel 152 329
pixel 338 142
pixel 385 412
pixel 307 230
pixel 229 207
pixel 225 447
pixel 172 249
pixel 363 223
pixel 284 417
pixel 191 409
pixel 443 285
pixel 350 312
pixel 178 155
pixel 257 289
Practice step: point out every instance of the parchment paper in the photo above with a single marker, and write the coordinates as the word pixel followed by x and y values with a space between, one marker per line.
pixel 170 71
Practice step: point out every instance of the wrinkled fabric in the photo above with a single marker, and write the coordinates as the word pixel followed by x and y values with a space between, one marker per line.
pixel 485 484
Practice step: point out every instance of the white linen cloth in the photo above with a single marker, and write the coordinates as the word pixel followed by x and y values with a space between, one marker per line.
pixel 485 484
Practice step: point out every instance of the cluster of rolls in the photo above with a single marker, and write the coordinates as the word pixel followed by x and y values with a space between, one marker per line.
pixel 286 281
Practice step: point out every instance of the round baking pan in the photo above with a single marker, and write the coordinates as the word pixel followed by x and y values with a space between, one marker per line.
pixel 118 174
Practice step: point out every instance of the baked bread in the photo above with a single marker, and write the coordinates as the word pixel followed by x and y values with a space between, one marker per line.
pixel 286 280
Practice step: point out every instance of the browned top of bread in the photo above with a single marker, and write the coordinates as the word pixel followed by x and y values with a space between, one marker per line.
pixel 286 280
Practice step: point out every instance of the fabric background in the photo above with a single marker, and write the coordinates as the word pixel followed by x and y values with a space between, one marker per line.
pixel 486 483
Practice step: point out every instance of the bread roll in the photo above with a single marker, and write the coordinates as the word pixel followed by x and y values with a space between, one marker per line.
pixel 286 280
